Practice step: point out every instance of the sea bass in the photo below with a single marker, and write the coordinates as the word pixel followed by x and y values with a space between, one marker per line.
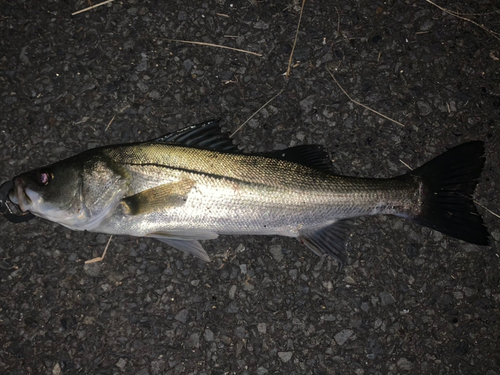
pixel 195 184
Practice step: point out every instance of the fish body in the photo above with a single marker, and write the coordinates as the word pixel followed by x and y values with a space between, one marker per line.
pixel 194 184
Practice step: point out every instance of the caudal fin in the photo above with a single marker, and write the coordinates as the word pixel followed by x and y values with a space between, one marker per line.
pixel 449 181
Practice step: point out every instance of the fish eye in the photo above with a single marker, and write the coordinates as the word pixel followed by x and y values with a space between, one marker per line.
pixel 44 177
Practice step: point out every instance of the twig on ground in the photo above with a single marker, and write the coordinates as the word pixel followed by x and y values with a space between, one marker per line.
pixel 487 209
pixel 99 259
pixel 295 41
pixel 461 16
pixel 338 20
pixel 92 7
pixel 109 123
pixel 251 117
pixel 213 45
pixel 406 165
pixel 361 104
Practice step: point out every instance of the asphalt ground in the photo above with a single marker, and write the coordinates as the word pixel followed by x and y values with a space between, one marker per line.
pixel 409 301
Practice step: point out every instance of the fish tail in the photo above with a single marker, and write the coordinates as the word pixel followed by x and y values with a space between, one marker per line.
pixel 448 183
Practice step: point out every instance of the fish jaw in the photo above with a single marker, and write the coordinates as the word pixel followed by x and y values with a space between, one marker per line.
pixel 29 200
pixel 18 195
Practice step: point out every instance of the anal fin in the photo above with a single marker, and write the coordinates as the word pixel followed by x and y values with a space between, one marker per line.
pixel 330 240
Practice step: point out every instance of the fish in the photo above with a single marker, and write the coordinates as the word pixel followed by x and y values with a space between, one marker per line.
pixel 196 184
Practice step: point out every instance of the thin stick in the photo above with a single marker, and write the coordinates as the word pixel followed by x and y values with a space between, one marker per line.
pixel 251 117
pixel 110 123
pixel 213 45
pixel 92 7
pixel 458 15
pixel 295 40
pixel 99 259
pixel 406 165
pixel 491 212
pixel 338 20
pixel 464 14
pixel 361 104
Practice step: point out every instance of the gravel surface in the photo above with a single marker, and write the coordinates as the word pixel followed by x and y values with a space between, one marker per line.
pixel 410 300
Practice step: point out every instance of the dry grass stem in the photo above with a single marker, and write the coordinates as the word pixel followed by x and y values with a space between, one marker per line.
pixel 92 7
pixel 251 117
pixel 295 40
pixel 464 14
pixel 361 104
pixel 214 45
pixel 338 20
pixel 461 16
pixel 109 123
pixel 406 165
pixel 99 259
pixel 487 209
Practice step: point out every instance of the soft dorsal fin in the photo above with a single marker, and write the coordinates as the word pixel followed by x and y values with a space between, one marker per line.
pixel 313 156
pixel 205 135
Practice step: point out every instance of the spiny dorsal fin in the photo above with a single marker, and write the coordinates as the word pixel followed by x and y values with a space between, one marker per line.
pixel 205 135
pixel 312 156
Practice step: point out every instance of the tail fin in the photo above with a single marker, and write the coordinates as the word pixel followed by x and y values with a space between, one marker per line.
pixel 449 181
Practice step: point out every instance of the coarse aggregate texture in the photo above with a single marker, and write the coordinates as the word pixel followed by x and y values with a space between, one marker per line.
pixel 410 300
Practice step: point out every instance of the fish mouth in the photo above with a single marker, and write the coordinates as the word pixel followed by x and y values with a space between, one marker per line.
pixel 19 196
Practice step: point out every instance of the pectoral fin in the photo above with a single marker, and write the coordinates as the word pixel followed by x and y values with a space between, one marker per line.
pixel 158 198
pixel 330 240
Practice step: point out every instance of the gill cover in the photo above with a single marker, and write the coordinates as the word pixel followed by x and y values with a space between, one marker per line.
pixel 78 193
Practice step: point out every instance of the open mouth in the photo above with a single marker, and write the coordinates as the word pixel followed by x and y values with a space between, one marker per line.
pixel 19 196
pixel 8 204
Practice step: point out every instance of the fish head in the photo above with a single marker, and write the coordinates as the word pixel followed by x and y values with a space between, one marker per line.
pixel 53 193
pixel 79 193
